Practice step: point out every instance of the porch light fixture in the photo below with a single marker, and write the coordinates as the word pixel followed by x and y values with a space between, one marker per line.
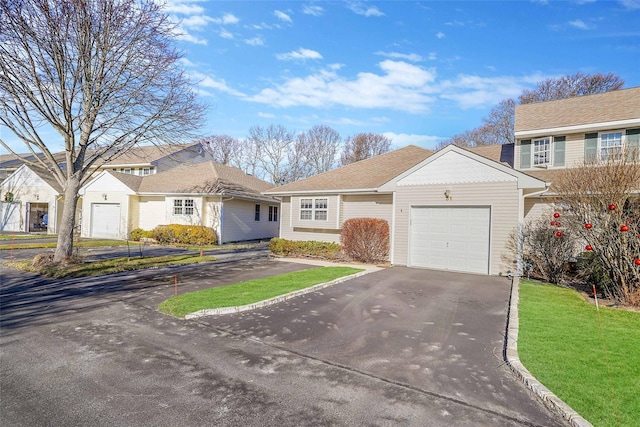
pixel 104 196
pixel 447 194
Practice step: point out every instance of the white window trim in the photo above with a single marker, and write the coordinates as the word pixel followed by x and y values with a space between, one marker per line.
pixel 313 209
pixel 533 152
pixel 183 207
pixel 622 133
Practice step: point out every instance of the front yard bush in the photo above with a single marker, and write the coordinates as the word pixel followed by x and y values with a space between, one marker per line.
pixel 366 239
pixel 138 234
pixel 305 248
pixel 184 234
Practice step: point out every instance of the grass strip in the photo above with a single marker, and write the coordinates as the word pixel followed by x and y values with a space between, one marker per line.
pixel 252 291
pixel 81 244
pixel 108 266
pixel 594 370
pixel 27 236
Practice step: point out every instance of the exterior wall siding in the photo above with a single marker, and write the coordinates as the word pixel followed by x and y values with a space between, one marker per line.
pixel 501 197
pixel 534 208
pixel 238 221
pixel 332 221
pixel 152 212
pixel 367 206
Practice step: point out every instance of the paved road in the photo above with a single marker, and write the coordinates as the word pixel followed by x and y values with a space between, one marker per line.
pixel 397 347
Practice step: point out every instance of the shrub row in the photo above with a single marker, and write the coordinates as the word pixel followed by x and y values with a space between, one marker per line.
pixel 312 248
pixel 363 239
pixel 178 234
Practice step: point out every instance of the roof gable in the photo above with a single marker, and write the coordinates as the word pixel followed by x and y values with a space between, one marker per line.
pixel 32 176
pixel 454 168
pixel 450 163
pixel 112 182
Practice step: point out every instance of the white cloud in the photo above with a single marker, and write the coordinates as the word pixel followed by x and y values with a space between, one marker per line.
pixel 472 91
pixel 413 57
pixel 440 35
pixel 432 56
pixel 404 139
pixel 209 82
pixel 255 41
pixel 301 53
pixel 185 36
pixel 228 18
pixel 182 7
pixel 266 115
pixel 282 16
pixel 312 10
pixel 361 9
pixel 578 23
pixel 191 17
pixel 225 34
pixel 630 4
pixel 401 86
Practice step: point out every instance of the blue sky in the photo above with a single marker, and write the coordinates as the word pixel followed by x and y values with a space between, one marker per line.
pixel 418 72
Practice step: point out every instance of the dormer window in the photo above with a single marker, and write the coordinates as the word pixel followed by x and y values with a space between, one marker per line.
pixel 541 151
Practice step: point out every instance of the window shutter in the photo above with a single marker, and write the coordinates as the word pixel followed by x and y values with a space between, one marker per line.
pixel 591 147
pixel 559 143
pixel 525 154
pixel 632 145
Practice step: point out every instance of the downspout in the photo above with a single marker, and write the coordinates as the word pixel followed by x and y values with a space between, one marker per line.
pixel 392 238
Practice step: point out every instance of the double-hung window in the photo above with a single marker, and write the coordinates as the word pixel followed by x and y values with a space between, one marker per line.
pixel 611 144
pixel 314 209
pixel 273 214
pixel 541 151
pixel 183 206
pixel 256 216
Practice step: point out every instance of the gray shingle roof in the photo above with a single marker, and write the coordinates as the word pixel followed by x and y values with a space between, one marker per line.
pixel 363 175
pixel 201 178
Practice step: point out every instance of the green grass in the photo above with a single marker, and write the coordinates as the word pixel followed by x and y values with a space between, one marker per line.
pixel 113 265
pixel 26 236
pixel 594 370
pixel 80 244
pixel 251 291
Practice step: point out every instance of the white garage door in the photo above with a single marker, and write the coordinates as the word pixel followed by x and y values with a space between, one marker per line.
pixel 105 220
pixel 450 238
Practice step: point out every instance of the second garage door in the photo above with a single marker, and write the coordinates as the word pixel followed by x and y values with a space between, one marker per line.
pixel 450 238
pixel 105 220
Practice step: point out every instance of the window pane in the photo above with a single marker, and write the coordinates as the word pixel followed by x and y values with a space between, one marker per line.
pixel 305 214
pixel 306 203
pixel 321 203
pixel 257 215
pixel 321 215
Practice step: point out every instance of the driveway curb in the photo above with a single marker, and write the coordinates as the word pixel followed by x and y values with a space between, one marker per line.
pixel 274 300
pixel 549 399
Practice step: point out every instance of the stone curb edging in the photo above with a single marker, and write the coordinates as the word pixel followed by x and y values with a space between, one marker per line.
pixel 274 300
pixel 549 399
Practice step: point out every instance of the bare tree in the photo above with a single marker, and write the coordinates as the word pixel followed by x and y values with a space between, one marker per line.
pixel 363 146
pixel 320 145
pixel 273 145
pixel 103 74
pixel 225 149
pixel 497 127
pixel 571 85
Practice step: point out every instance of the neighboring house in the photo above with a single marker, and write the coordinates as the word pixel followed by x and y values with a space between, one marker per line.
pixel 452 210
pixel 555 135
pixel 209 194
pixel 28 194
pixel 34 192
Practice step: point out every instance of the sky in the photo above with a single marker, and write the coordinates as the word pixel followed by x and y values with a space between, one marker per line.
pixel 418 72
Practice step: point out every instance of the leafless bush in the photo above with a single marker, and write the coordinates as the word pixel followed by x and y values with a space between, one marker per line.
pixel 600 204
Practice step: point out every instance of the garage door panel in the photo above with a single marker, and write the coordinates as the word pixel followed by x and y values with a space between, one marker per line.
pixel 455 238
pixel 105 220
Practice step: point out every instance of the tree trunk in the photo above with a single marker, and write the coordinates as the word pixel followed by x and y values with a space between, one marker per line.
pixel 64 249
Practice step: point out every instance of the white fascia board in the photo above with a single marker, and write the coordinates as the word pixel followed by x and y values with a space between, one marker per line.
pixel 524 180
pixel 303 192
pixel 617 124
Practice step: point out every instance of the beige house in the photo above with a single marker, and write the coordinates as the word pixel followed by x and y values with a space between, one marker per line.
pixel 455 209
pixel 452 210
pixel 207 193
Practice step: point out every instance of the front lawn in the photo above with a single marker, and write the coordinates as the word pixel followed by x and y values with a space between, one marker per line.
pixel 81 244
pixel 108 266
pixel 252 291
pixel 594 370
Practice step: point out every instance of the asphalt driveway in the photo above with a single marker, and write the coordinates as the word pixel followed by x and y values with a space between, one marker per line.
pixel 396 347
